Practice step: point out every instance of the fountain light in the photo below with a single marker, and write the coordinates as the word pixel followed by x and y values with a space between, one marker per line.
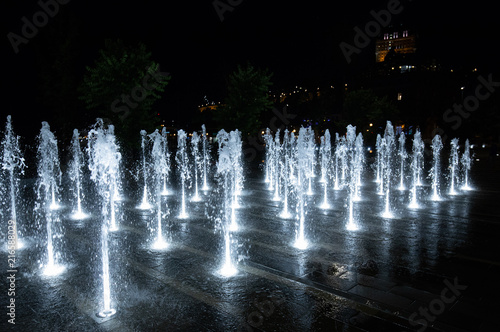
pixel 54 205
pixel 12 162
pixel 233 227
pixel 52 270
pixel 309 189
pixel 144 203
pixel 160 243
pixel 285 214
pixel 466 187
pixel 228 269
pixel 402 156
pixel 182 160
pixel 49 174
pixel 436 146
pixel 466 162
pixel 195 151
pixel 387 214
pixel 413 205
pixel 325 204
pixel 352 225
pixel 196 198
pixel 106 313
pixel 454 164
pixel 183 215
pixel 413 198
pixel 301 243
pixel 79 215
pixel 387 211
pixel 18 243
pixel 104 162
pixel 435 197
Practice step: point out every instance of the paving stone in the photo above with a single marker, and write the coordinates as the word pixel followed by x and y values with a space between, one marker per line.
pixel 320 288
pixel 414 294
pixel 374 282
pixel 381 296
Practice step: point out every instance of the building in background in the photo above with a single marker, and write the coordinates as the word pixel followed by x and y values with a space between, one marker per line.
pixel 398 40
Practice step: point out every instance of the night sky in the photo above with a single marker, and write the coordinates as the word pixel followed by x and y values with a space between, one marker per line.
pixel 297 41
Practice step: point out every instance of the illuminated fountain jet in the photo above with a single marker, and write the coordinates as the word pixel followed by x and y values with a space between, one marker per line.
pixel 49 177
pixel 435 172
pixel 13 167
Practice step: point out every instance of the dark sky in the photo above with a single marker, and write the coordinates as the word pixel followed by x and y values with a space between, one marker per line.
pixel 297 41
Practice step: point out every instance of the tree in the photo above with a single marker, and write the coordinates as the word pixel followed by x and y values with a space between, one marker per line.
pixel 56 52
pixel 247 98
pixel 363 106
pixel 122 86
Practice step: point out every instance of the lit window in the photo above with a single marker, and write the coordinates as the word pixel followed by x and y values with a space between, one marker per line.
pixel 395 35
pixel 386 36
pixel 400 96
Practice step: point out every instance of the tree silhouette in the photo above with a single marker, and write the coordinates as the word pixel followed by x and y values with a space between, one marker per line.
pixel 122 86
pixel 247 98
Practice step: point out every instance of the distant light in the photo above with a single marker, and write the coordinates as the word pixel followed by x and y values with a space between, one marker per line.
pixel 371 124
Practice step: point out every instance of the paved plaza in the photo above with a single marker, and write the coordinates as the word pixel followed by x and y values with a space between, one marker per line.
pixel 431 269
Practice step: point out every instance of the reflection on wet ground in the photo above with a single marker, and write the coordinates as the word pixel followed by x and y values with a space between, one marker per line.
pixel 433 268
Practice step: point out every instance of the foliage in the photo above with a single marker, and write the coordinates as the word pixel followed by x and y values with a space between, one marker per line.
pixel 363 106
pixel 247 99
pixel 122 86
pixel 56 54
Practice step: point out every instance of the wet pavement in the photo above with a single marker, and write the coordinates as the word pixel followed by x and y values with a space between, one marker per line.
pixel 431 269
